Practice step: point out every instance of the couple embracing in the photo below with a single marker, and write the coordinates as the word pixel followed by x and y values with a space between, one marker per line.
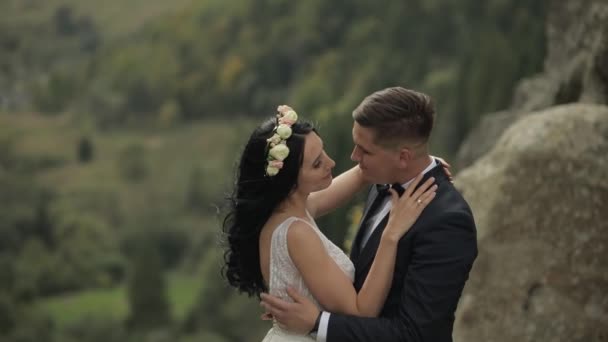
pixel 413 251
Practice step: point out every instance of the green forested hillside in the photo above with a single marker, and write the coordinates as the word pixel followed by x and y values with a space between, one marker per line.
pixel 71 220
pixel 120 122
pixel 115 18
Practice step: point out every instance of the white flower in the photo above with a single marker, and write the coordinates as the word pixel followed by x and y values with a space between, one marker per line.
pixel 271 171
pixel 283 109
pixel 289 118
pixel 275 139
pixel 284 131
pixel 273 167
pixel 276 163
pixel 291 115
pixel 279 152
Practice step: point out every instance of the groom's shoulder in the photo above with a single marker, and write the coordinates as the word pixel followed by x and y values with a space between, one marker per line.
pixel 450 200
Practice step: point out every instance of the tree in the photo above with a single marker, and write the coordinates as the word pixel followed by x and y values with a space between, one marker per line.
pixel 147 289
pixel 195 194
pixel 85 150
pixel 65 23
pixel 132 163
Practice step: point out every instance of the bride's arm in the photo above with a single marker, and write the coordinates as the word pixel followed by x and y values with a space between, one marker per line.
pixel 328 283
pixel 342 189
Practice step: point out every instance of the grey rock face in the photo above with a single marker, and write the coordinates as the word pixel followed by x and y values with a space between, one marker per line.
pixel 540 199
pixel 577 35
pixel 575 70
pixel 482 139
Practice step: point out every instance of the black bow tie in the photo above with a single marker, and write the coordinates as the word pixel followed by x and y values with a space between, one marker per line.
pixel 383 189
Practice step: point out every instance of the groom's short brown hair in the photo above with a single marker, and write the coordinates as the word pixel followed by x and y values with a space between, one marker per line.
pixel 397 115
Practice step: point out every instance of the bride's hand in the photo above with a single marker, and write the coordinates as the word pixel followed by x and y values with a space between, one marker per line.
pixel 405 210
pixel 446 168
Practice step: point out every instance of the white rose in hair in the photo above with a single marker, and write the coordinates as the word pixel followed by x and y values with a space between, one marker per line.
pixel 279 152
pixel 276 163
pixel 284 131
pixel 275 139
pixel 271 171
pixel 283 109
pixel 289 118
pixel 291 115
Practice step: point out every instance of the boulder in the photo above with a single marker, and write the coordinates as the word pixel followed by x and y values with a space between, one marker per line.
pixel 540 200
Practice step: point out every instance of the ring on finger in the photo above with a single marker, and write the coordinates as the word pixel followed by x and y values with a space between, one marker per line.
pixel 419 201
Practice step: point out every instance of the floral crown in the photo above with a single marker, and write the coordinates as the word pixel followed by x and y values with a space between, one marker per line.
pixel 277 146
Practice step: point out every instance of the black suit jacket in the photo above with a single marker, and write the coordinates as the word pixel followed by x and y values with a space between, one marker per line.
pixel 433 263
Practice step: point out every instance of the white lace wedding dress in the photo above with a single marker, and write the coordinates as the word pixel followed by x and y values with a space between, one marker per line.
pixel 283 274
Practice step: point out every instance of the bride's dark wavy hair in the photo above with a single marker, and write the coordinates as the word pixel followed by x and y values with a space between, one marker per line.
pixel 255 196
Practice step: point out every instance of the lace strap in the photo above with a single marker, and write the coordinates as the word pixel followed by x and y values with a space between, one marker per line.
pixel 279 253
pixel 280 234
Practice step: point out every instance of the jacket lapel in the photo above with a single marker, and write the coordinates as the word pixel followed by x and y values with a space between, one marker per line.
pixel 366 256
pixel 368 253
pixel 355 250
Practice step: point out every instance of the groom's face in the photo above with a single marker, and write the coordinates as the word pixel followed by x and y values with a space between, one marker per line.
pixel 377 163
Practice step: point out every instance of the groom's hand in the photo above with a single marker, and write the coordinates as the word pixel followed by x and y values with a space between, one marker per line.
pixel 298 317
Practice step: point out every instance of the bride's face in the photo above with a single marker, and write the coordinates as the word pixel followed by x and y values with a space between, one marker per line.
pixel 315 172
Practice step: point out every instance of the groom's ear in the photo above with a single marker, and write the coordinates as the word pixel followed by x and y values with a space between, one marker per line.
pixel 405 156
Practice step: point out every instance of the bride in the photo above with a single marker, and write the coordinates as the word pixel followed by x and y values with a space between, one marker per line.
pixel 284 183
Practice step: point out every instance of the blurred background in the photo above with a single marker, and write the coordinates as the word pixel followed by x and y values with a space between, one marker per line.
pixel 121 122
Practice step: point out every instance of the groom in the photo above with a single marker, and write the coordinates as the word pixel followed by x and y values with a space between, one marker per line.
pixel 391 132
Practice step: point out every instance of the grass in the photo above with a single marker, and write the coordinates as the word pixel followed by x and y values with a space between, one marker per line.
pixel 112 303
pixel 68 309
